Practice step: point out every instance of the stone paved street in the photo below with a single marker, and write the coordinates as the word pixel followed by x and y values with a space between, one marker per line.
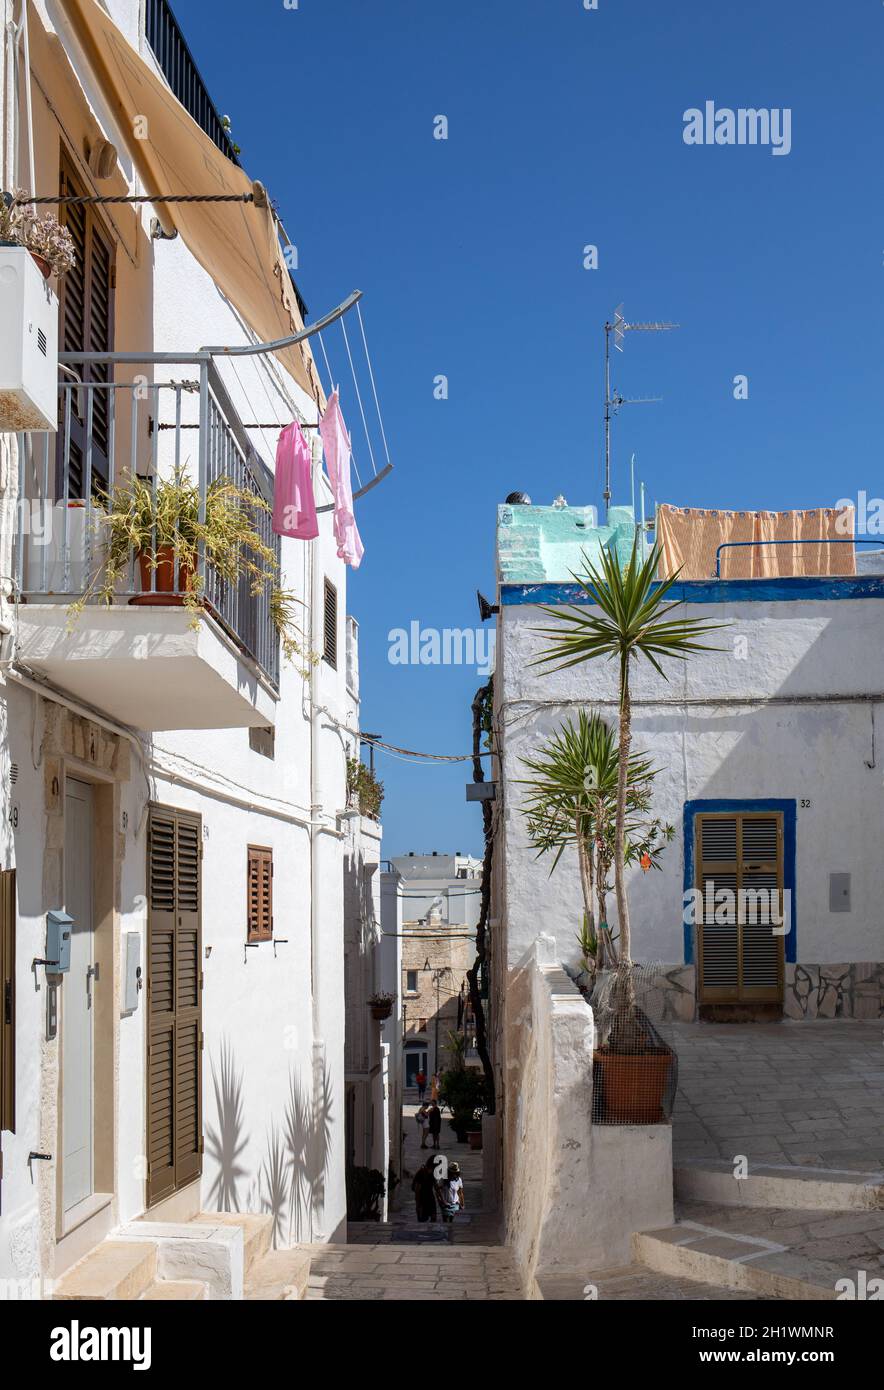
pixel 808 1094
pixel 408 1260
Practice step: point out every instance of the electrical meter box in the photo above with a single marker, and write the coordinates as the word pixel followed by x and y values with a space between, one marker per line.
pixel 58 942
pixel 132 979
pixel 28 344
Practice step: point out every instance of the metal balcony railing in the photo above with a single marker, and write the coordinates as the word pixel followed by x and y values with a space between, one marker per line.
pixel 148 415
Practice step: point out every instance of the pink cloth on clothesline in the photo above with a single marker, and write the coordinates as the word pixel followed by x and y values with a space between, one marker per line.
pixel 336 443
pixel 294 506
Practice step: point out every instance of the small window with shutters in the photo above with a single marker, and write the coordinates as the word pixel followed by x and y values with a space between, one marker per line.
pixel 259 894
pixel 330 625
pixel 7 999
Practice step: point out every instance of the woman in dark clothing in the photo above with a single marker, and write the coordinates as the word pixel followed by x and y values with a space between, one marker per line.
pixel 424 1188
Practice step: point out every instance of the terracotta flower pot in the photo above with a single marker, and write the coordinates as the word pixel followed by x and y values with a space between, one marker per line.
pixel 381 1011
pixel 632 1086
pixel 474 1137
pixel 163 590
pixel 42 265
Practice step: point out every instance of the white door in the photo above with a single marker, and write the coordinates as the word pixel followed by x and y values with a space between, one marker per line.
pixel 77 993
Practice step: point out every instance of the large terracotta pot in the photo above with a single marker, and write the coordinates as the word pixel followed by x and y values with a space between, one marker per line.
pixel 475 1138
pixel 632 1086
pixel 164 587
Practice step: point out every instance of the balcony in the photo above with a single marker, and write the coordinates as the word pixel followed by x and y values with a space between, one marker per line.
pixel 150 659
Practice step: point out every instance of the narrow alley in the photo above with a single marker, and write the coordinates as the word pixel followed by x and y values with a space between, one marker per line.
pixel 407 1259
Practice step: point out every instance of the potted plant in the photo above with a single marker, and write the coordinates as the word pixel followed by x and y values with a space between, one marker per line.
pixel 381 1005
pixel 464 1091
pixel 626 618
pixel 572 802
pixel 365 793
pixel 49 243
pixel 474 1134
pixel 159 524
pixel 365 1188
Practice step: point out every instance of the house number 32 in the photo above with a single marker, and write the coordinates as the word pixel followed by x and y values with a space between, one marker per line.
pixel 804 804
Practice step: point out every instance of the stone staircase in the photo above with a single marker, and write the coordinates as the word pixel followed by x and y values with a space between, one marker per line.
pixel 782 1233
pixel 217 1255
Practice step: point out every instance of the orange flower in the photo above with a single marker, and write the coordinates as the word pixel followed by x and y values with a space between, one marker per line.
pixel 645 862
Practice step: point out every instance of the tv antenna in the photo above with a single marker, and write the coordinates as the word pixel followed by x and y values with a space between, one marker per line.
pixel 613 401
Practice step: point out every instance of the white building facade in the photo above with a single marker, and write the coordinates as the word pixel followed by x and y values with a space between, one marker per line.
pixel 176 787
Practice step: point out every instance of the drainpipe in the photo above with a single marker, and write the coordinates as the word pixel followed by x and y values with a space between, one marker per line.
pixel 316 1233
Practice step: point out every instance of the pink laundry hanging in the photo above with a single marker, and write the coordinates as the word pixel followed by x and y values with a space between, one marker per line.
pixel 294 507
pixel 336 443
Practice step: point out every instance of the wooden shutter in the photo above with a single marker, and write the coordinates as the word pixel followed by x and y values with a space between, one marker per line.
pixel 86 325
pixel 7 999
pixel 174 1002
pixel 740 960
pixel 259 893
pixel 330 625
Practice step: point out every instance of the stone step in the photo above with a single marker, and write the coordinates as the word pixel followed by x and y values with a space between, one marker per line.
pixel 634 1282
pixel 732 1260
pixel 179 1290
pixel 278 1275
pixel 781 1185
pixel 116 1269
pixel 257 1231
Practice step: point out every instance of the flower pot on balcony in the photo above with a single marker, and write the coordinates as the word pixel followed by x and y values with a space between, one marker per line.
pixel 158 586
pixel 631 1087
pixel 42 265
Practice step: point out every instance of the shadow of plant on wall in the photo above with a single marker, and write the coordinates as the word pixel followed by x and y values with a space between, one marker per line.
pixel 307 1129
pixel 290 1183
pixel 226 1144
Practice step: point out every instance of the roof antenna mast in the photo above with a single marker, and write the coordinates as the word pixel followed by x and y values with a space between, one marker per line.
pixel 613 401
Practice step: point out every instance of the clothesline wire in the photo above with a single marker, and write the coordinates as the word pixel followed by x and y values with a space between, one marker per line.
pixel 359 399
pixel 377 403
pixel 331 387
pixel 412 753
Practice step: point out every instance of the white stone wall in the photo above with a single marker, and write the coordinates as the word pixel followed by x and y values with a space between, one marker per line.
pixel 784 710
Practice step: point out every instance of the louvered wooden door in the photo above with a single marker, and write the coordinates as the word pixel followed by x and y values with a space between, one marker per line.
pixel 86 325
pixel 174 1002
pixel 740 958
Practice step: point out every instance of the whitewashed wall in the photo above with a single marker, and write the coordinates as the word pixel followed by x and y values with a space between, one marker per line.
pixel 784 710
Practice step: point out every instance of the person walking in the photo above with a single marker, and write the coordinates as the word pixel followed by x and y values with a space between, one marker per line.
pixel 435 1083
pixel 424 1188
pixel 434 1123
pixel 423 1118
pixel 450 1193
pixel 421 1083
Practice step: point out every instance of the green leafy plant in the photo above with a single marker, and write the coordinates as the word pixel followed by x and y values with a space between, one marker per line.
pixel 629 620
pixel 365 1188
pixel 571 801
pixel 155 524
pixel 465 1093
pixel 364 788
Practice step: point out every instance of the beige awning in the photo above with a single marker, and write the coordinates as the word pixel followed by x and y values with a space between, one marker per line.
pixel 237 243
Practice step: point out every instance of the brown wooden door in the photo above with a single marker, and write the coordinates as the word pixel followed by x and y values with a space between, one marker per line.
pixel 174 1002
pixel 740 956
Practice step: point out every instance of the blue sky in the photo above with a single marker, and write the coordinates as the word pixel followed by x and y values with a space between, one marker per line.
pixel 565 129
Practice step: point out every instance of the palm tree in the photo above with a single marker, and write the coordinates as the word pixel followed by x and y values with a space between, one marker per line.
pixel 571 801
pixel 632 621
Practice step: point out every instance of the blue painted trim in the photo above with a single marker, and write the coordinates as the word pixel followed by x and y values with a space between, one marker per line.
pixel 790 821
pixel 717 590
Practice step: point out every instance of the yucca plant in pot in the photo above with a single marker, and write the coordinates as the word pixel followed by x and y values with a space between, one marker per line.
pixel 627 619
pixel 571 801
